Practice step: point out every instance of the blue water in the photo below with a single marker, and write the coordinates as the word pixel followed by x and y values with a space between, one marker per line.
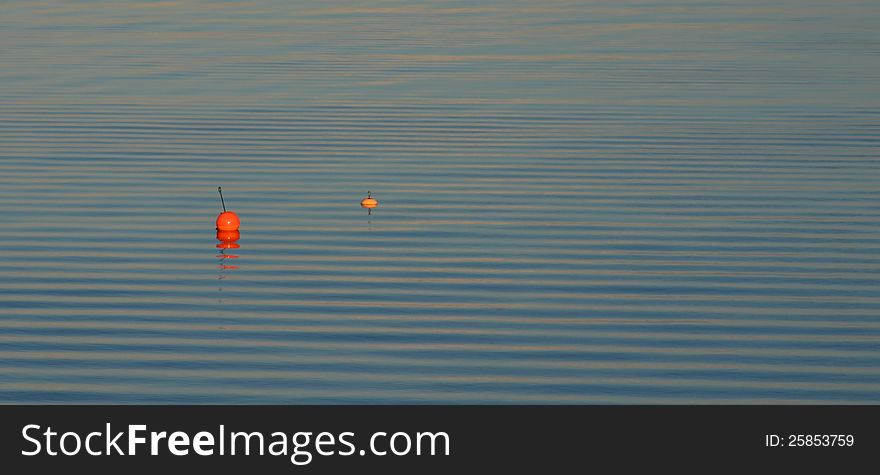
pixel 579 202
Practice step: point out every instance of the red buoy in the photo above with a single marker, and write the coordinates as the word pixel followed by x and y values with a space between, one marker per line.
pixel 227 220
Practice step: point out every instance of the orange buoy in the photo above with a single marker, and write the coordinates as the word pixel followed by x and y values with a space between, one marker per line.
pixel 227 220
pixel 369 201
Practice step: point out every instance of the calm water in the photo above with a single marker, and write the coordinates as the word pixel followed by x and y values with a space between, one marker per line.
pixel 580 202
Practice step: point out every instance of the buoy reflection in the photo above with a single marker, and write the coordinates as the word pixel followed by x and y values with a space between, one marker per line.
pixel 228 240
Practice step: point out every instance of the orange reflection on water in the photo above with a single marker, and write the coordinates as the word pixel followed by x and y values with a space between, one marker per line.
pixel 228 240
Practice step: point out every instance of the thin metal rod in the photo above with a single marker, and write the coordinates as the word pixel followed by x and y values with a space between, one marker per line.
pixel 220 190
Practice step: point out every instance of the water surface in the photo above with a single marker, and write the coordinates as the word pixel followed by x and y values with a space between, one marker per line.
pixel 580 202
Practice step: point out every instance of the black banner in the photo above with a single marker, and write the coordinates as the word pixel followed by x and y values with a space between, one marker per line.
pixel 436 439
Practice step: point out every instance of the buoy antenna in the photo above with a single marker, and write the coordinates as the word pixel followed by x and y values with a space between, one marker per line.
pixel 220 190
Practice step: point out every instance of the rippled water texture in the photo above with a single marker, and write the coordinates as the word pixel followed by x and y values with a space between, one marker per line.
pixel 579 202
